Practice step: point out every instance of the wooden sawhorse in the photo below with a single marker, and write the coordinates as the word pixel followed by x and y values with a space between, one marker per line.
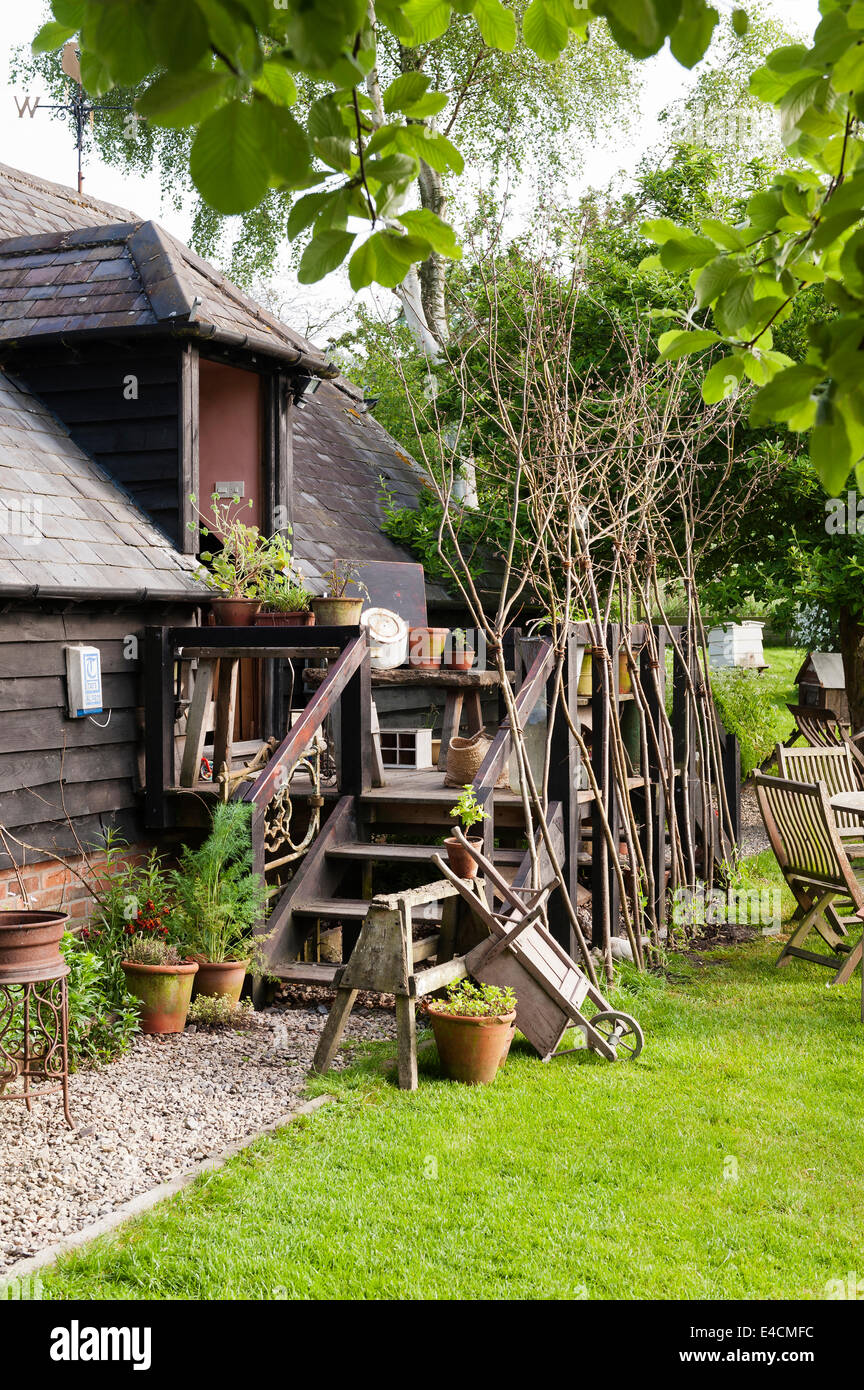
pixel 384 959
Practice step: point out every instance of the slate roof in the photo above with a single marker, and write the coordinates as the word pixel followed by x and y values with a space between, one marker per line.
pixel 65 526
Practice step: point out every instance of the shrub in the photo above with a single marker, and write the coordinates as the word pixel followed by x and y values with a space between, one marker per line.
pixel 747 711
pixel 219 896
pixel 101 1026
pixel 215 1011
pixel 150 950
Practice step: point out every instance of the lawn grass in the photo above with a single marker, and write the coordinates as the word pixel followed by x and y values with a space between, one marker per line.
pixel 725 1163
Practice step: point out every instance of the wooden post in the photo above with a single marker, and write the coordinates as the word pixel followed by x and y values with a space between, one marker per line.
pixel 654 687
pixel 604 884
pixel 563 783
pixel 356 732
pixel 158 667
pixel 187 473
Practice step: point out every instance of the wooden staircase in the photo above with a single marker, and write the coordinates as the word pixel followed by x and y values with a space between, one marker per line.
pixel 337 880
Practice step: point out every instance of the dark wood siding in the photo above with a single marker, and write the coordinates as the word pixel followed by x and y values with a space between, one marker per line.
pixel 137 441
pixel 64 781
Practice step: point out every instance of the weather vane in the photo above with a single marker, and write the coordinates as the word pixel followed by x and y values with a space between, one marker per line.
pixel 78 105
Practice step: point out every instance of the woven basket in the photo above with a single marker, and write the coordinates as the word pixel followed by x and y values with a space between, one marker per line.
pixel 464 756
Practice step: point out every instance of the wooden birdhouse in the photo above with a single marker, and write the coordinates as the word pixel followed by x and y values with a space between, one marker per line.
pixel 822 685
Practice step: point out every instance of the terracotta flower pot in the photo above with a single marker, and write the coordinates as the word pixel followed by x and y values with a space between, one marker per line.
pixel 30 945
pixel 337 612
pixel 461 660
pixel 300 618
pixel 426 647
pixel 164 993
pixel 472 1050
pixel 221 979
pixel 234 612
pixel 461 862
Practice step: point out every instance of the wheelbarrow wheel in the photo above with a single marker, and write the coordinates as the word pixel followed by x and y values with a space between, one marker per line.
pixel 620 1031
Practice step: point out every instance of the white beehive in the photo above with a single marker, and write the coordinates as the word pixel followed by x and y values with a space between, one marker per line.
pixel 737 644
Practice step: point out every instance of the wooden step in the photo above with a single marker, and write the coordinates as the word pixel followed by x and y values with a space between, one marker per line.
pixel 344 909
pixel 407 854
pixel 301 972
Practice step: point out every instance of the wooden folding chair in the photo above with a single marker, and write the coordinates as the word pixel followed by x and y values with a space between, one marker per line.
pixel 836 767
pixel 800 825
pixel 549 986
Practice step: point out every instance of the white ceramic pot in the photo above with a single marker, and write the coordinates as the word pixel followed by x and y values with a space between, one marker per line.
pixel 388 638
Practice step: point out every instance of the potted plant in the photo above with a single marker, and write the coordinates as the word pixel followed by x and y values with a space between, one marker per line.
pixel 458 656
pixel 338 608
pixel 243 567
pixel 161 980
pixel 286 603
pixel 426 647
pixel 220 900
pixel 469 813
pixel 473 1030
pixel 30 945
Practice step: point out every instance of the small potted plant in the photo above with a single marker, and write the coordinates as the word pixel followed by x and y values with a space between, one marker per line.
pixel 286 603
pixel 219 902
pixel 458 656
pixel 338 608
pixel 469 813
pixel 473 1030
pixel 161 980
pixel 243 567
pixel 426 647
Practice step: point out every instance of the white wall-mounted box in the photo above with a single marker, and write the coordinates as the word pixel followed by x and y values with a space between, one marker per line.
pixel 83 681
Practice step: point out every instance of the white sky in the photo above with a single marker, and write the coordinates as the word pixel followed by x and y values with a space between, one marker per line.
pixel 42 146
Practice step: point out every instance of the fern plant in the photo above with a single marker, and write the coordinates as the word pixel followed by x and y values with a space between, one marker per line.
pixel 219 898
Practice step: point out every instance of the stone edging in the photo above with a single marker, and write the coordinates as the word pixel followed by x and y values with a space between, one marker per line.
pixel 145 1200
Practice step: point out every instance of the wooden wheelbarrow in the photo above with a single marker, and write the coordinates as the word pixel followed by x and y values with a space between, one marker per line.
pixel 550 988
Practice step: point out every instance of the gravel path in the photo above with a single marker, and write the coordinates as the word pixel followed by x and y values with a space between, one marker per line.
pixel 168 1103
pixel 753 837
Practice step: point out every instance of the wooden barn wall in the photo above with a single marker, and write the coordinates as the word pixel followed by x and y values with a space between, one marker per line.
pixel 55 770
pixel 137 441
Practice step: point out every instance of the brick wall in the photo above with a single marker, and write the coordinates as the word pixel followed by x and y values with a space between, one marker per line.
pixel 50 885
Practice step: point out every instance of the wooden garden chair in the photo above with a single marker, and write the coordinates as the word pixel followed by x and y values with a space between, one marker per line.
pixel 800 824
pixel 549 986
pixel 821 728
pixel 836 767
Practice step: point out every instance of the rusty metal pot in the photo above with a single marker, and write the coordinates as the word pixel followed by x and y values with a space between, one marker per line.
pixel 30 946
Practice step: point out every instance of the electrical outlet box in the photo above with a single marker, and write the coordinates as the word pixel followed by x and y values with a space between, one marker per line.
pixel 83 681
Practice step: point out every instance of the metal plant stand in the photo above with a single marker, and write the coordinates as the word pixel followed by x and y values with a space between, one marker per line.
pixel 34 1033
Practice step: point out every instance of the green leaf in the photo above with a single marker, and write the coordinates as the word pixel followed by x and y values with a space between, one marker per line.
pixel 393 168
pixel 428 145
pixel 785 394
pixel 661 230
pixel 740 22
pixel 544 30
pixel 722 234
pixel 276 84
pixel 285 143
pixel 429 19
pixel 687 251
pixel 734 308
pixel 831 454
pixel 325 253
pixel 304 213
pixel 676 344
pixel 179 99
pixel 717 276
pixel 430 105
pixel 722 380
pixel 405 90
pixel 70 12
pixel 325 120
pixel 383 258
pixel 179 34
pixel 52 36
pixel 496 24
pixel 441 237
pixel 691 37
pixel 848 74
pixel 95 77
pixel 228 160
